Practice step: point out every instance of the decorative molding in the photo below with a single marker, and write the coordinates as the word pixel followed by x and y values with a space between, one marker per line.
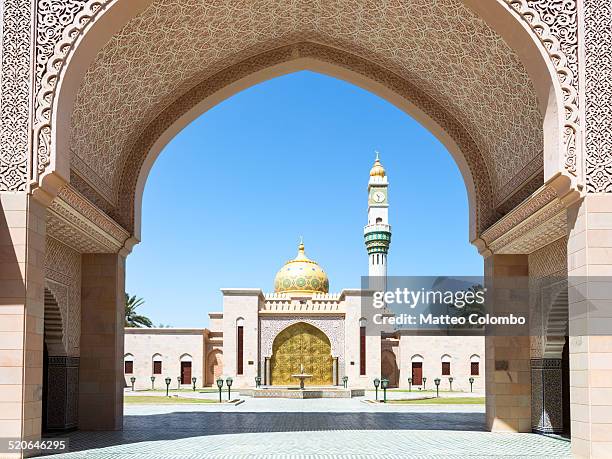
pixel 15 90
pixel 555 23
pixel 534 223
pixel 598 95
pixel 71 218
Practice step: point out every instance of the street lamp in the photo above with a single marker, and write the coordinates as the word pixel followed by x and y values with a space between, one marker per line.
pixel 193 380
pixel 229 382
pixel 409 384
pixel 424 381
pixel 345 381
pixel 437 382
pixel 152 382
pixel 471 383
pixel 178 379
pixel 376 384
pixel 450 382
pixel 167 385
pixel 384 384
pixel 220 386
pixel 257 381
pixel 132 380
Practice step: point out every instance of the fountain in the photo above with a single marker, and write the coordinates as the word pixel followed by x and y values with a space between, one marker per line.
pixel 302 376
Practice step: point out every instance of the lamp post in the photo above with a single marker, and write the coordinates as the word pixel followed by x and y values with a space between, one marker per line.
pixel 152 382
pixel 220 386
pixel 424 381
pixel 193 380
pixel 437 383
pixel 450 382
pixel 471 383
pixel 229 382
pixel 167 385
pixel 376 384
pixel 178 379
pixel 132 380
pixel 384 384
pixel 409 384
pixel 257 381
pixel 345 381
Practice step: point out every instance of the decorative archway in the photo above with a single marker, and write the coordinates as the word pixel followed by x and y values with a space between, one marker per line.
pixel 301 344
pixel 388 367
pixel 214 366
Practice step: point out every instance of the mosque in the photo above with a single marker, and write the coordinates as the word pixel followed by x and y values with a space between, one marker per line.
pixel 271 335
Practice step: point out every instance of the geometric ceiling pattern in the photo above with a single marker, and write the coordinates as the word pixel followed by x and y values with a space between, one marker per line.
pixel 439 46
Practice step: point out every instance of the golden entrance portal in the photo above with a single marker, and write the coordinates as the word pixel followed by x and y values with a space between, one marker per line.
pixel 301 344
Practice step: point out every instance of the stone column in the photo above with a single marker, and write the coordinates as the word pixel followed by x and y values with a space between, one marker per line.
pixel 335 371
pixel 507 365
pixel 590 325
pixel 22 246
pixel 102 317
pixel 267 370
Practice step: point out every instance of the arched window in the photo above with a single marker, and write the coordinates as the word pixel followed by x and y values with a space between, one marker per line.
pixel 157 364
pixel 475 365
pixel 240 345
pixel 128 364
pixel 446 365
pixel 378 220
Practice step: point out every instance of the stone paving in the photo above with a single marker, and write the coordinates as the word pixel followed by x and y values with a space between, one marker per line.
pixel 339 428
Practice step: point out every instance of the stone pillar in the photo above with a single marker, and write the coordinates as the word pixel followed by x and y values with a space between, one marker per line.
pixel 22 236
pixel 335 381
pixel 590 325
pixel 22 246
pixel 102 317
pixel 507 365
pixel 267 370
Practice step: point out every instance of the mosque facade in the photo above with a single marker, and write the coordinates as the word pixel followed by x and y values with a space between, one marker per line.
pixel 271 336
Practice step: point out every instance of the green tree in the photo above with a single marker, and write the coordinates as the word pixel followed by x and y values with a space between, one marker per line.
pixel 132 319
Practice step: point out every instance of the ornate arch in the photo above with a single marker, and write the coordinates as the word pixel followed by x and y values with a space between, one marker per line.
pixel 552 27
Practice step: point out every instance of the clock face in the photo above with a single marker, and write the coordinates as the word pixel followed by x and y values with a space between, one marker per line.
pixel 378 196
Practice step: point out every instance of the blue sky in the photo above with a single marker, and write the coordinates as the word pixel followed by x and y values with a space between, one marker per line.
pixel 229 196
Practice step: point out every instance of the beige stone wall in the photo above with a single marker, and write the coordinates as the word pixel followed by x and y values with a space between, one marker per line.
pixel 172 344
pixel 241 303
pixel 432 348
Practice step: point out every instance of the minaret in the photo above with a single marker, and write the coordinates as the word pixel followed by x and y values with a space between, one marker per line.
pixel 377 232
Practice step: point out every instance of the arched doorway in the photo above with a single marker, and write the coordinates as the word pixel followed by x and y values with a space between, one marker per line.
pixel 388 368
pixel 214 366
pixel 301 344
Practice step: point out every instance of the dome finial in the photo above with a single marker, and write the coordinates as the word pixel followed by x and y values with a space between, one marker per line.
pixel 377 169
pixel 301 245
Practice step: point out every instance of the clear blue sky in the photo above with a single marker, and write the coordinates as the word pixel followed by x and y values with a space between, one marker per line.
pixel 229 196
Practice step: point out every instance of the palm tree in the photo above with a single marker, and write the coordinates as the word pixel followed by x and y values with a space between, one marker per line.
pixel 131 318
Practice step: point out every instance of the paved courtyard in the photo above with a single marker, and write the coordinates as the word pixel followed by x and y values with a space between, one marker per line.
pixel 308 428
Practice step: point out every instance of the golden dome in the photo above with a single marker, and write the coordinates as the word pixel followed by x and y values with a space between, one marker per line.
pixel 301 275
pixel 377 169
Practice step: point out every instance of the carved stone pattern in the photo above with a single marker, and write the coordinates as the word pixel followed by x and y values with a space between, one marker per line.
pixel 62 396
pixel 68 234
pixel 598 90
pixel 525 210
pixel 52 17
pixel 63 266
pixel 522 194
pixel 555 23
pixel 15 94
pixel 490 74
pixel 332 327
pixel 60 25
pixel 546 395
pixel 127 187
pixel 550 260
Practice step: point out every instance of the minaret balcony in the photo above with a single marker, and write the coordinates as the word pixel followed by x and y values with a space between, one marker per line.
pixel 377 228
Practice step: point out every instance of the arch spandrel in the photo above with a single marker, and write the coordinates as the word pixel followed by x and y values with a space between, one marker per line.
pixel 333 25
